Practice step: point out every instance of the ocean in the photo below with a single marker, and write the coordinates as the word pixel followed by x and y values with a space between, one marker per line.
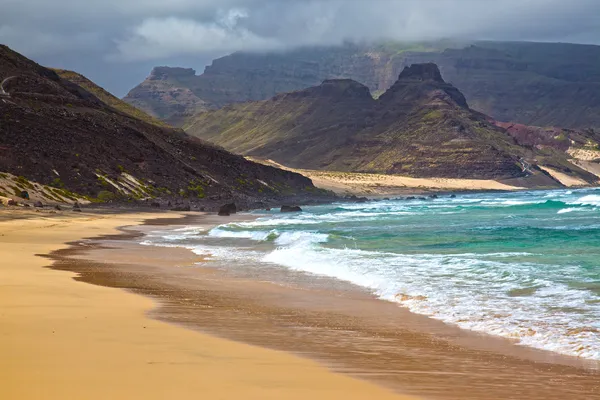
pixel 524 265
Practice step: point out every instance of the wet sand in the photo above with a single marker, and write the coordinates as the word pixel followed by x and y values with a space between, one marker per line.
pixel 64 339
pixel 339 325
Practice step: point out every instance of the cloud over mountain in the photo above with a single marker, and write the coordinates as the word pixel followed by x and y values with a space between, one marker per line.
pixel 141 31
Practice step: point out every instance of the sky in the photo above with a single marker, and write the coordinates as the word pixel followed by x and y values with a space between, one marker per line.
pixel 117 42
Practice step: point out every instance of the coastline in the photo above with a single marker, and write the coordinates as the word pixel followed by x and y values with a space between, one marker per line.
pixel 64 339
pixel 351 332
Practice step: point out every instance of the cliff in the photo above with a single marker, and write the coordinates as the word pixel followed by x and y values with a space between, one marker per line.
pixel 543 84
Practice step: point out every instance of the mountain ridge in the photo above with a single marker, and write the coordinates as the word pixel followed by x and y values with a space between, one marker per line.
pixel 422 126
pixel 541 84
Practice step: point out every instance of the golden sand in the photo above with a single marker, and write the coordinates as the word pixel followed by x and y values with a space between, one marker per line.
pixel 363 184
pixel 338 324
pixel 563 178
pixel 64 339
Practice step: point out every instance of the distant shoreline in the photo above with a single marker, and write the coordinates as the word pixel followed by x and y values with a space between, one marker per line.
pixel 383 185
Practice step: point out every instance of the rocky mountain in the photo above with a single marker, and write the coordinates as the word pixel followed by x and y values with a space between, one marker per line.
pixel 421 126
pixel 541 84
pixel 57 133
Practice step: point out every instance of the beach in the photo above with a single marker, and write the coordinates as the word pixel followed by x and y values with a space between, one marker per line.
pixel 378 185
pixel 153 322
pixel 64 339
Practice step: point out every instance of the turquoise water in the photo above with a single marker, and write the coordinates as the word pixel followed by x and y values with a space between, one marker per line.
pixel 520 265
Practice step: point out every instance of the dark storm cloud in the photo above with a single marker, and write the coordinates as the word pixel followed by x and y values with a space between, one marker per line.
pixel 95 34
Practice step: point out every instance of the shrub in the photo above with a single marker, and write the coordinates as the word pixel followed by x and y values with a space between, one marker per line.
pixel 102 180
pixel 106 196
pixel 57 183
pixel 24 182
pixel 196 188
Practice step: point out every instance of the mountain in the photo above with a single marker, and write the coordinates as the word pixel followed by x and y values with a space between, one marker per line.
pixel 62 135
pixel 421 126
pixel 530 83
pixel 107 97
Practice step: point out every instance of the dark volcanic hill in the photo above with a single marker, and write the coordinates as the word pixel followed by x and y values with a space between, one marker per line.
pixel 543 84
pixel 54 132
pixel 422 127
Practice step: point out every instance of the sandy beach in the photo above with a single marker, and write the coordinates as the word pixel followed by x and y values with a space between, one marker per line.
pixel 64 339
pixel 377 185
pixel 338 325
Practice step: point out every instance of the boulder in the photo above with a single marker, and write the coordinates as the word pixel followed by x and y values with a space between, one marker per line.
pixel 433 196
pixel 290 209
pixel 7 201
pixel 227 209
pixel 452 196
pixel 38 204
pixel 57 208
pixel 231 207
pixel 76 207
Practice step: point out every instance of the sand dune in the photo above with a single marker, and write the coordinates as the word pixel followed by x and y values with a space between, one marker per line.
pixel 381 185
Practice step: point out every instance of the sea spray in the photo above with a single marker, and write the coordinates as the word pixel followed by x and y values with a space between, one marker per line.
pixel 525 266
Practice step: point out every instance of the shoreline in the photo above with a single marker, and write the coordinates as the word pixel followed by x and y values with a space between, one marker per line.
pixel 63 339
pixel 222 295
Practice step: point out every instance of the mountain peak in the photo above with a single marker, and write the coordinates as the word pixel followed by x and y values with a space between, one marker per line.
pixel 422 81
pixel 422 72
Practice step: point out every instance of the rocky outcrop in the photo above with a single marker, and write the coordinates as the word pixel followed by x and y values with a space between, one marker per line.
pixel 227 209
pixel 421 72
pixel 167 94
pixel 290 209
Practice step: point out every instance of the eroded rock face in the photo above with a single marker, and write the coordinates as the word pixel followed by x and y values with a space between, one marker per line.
pixel 422 72
pixel 422 126
pixel 558 83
